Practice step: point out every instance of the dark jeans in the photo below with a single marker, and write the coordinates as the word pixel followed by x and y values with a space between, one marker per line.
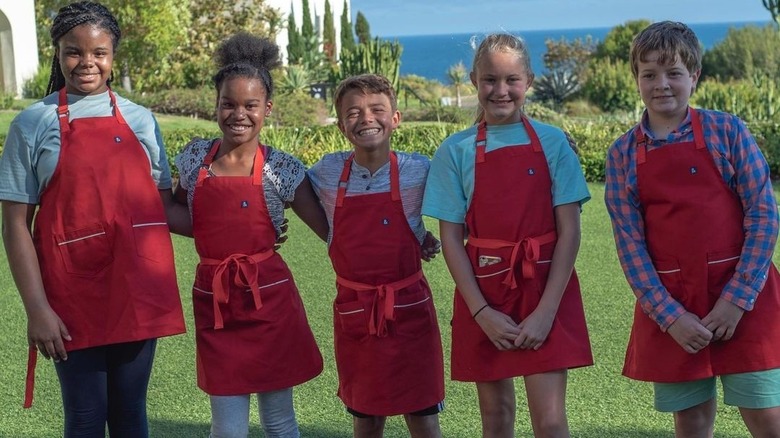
pixel 106 384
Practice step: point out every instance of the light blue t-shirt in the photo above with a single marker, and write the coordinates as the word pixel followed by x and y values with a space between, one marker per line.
pixel 450 183
pixel 32 147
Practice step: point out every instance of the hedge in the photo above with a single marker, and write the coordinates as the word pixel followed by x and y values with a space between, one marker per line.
pixel 593 138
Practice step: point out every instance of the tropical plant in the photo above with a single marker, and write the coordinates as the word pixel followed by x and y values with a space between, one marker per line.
pixel 457 75
pixel 556 87
pixel 296 79
pixel 375 56
pixel 773 6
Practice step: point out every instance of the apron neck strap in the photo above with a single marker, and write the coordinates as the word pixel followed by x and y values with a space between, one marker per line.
pixel 257 167
pixel 395 185
pixel 481 140
pixel 63 112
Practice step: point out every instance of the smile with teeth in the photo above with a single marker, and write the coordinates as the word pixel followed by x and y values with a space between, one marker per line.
pixel 366 132
pixel 239 128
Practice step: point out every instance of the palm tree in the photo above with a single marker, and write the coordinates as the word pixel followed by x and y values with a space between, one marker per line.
pixel 457 76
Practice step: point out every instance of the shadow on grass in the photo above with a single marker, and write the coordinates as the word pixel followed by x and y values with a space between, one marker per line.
pixel 178 429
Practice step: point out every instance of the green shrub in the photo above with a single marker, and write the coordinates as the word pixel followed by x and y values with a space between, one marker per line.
pixel 297 109
pixel 35 87
pixel 7 100
pixel 752 100
pixel 446 114
pixel 744 53
pixel 610 86
pixel 198 102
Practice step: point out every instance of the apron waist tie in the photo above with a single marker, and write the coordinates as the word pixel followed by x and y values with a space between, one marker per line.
pixel 530 247
pixel 245 276
pixel 29 385
pixel 383 306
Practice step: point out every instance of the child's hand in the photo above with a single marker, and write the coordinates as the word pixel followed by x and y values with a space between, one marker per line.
pixel 690 333
pixel 282 235
pixel 430 247
pixel 534 330
pixel 499 327
pixel 722 320
pixel 46 332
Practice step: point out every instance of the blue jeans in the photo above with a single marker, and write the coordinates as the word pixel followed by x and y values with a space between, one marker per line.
pixel 230 415
pixel 106 385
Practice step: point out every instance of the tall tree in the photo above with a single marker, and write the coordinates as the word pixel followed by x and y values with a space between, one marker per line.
pixel 457 77
pixel 347 37
pixel 362 29
pixel 295 40
pixel 773 6
pixel 212 22
pixel 329 33
pixel 617 43
pixel 151 31
pixel 307 27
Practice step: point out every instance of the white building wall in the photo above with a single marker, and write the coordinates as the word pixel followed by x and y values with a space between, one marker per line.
pixel 317 11
pixel 18 43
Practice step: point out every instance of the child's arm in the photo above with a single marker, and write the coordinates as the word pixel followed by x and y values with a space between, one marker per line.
pixel 430 247
pixel 754 188
pixel 45 329
pixel 535 328
pixel 177 211
pixel 308 208
pixel 500 328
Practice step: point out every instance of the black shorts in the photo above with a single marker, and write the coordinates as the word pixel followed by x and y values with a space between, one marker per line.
pixel 432 410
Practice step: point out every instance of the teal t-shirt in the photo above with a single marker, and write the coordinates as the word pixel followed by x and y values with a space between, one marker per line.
pixel 32 146
pixel 451 177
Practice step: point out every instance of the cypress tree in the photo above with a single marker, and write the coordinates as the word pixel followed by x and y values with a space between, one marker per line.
pixel 329 33
pixel 307 28
pixel 362 29
pixel 295 41
pixel 347 37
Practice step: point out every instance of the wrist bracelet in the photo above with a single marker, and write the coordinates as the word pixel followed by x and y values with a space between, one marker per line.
pixel 477 312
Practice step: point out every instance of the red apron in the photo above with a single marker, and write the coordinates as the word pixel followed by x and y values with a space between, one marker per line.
pixel 693 228
pixel 387 340
pixel 511 227
pixel 251 330
pixel 102 238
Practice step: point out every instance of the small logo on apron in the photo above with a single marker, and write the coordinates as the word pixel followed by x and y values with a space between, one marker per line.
pixel 244 204
pixel 117 139
pixel 385 221
pixel 693 171
pixel 531 171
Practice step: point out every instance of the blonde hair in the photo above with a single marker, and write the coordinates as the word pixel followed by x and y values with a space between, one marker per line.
pixel 500 43
pixel 672 40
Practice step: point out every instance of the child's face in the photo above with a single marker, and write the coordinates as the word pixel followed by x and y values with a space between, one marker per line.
pixel 367 120
pixel 665 89
pixel 241 109
pixel 86 55
pixel 502 81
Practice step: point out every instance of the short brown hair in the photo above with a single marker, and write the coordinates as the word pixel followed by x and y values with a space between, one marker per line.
pixel 672 40
pixel 368 84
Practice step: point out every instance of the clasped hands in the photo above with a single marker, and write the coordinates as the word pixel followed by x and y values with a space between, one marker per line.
pixel 693 334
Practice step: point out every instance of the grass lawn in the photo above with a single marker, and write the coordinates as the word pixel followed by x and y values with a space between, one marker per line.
pixel 601 403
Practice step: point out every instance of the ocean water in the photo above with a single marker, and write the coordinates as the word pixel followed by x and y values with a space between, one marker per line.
pixel 430 56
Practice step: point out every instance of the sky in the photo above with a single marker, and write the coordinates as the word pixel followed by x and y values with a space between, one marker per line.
pixel 388 18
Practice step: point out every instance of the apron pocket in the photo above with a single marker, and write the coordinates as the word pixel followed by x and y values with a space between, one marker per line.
pixel 351 320
pixel 85 251
pixel 670 274
pixel 413 313
pixel 152 240
pixel 721 266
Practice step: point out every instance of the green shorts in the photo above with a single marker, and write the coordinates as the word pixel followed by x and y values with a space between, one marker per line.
pixel 757 390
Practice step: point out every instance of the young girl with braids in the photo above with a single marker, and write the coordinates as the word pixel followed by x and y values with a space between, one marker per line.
pixel 252 334
pixel 512 188
pixel 95 271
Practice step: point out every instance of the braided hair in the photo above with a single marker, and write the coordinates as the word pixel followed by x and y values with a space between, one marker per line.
pixel 76 14
pixel 247 56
